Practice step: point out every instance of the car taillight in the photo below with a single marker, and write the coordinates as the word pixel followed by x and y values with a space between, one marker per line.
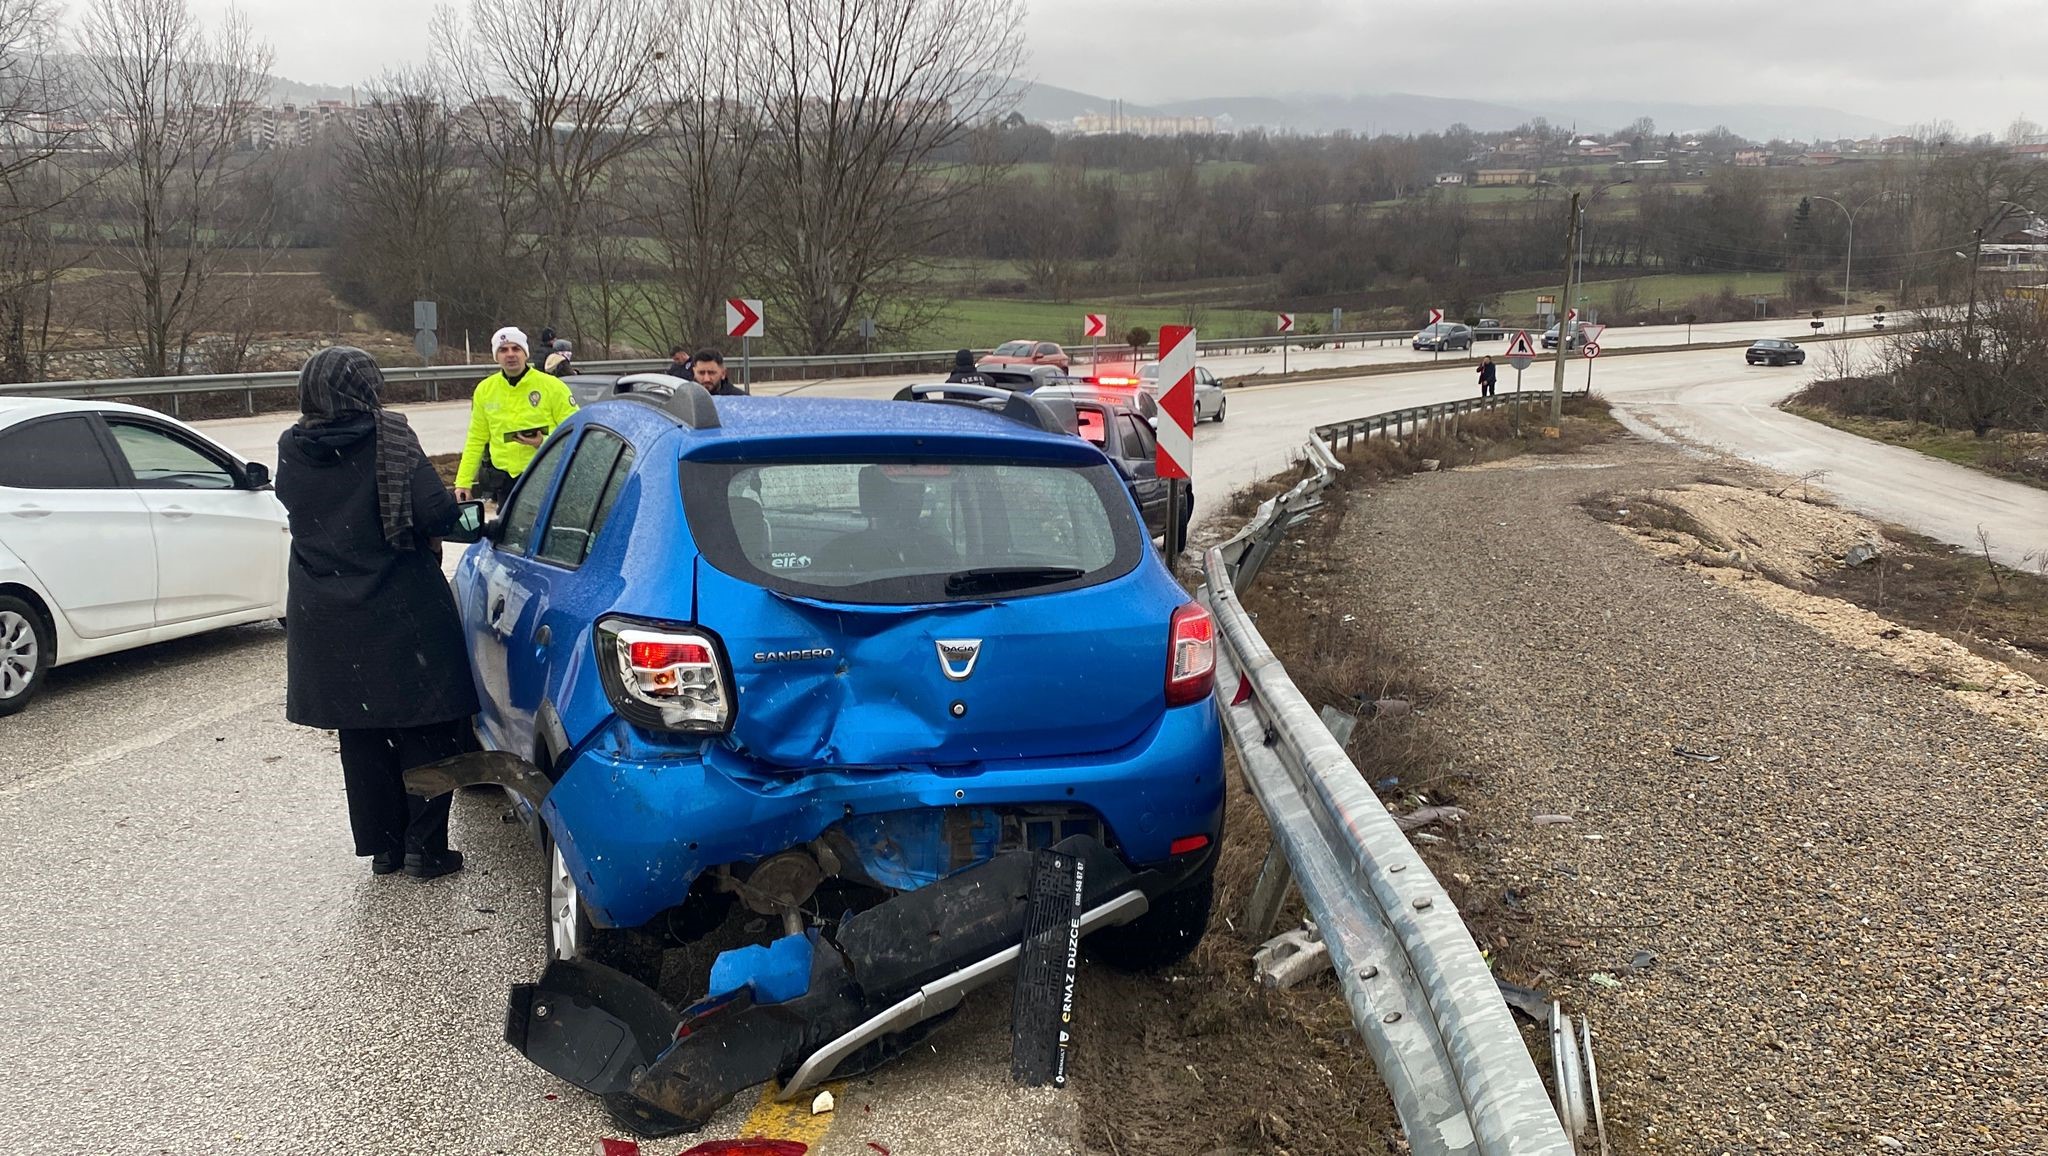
pixel 1190 655
pixel 1116 381
pixel 663 678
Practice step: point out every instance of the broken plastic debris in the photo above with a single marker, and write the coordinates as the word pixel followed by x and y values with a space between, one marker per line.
pixel 1643 961
pixel 1424 816
pixel 1696 756
pixel 1602 979
pixel 822 1104
pixel 612 1147
pixel 1550 820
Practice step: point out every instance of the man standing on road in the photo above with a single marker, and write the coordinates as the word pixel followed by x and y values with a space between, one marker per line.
pixel 679 363
pixel 1486 376
pixel 510 415
pixel 965 372
pixel 708 368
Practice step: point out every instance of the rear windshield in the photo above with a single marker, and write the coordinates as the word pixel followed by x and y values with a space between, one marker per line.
pixel 901 532
pixel 1014 349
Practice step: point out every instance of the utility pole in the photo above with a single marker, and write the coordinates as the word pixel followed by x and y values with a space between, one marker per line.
pixel 1970 316
pixel 1565 325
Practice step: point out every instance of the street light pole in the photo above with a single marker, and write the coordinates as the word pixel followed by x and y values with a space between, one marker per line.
pixel 1848 258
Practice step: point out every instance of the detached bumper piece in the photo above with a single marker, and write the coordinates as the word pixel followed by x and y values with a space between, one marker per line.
pixel 892 972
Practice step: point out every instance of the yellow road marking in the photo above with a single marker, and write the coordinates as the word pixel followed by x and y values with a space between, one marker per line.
pixel 775 1119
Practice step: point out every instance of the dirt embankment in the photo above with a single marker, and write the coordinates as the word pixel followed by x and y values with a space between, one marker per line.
pixel 1794 883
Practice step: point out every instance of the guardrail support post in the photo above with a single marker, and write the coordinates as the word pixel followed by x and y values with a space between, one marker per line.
pixel 249 402
pixel 1269 893
pixel 434 389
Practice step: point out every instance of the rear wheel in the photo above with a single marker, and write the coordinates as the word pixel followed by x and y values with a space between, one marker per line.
pixel 1220 407
pixel 1164 935
pixel 26 651
pixel 571 934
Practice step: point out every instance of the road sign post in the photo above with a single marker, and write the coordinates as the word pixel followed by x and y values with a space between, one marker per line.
pixel 1093 326
pixel 1337 322
pixel 1436 335
pixel 1285 326
pixel 743 320
pixel 426 318
pixel 1176 453
pixel 1592 353
pixel 1520 354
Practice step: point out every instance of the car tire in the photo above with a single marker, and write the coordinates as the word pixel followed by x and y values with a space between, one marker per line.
pixel 1220 407
pixel 1164 935
pixel 27 648
pixel 570 934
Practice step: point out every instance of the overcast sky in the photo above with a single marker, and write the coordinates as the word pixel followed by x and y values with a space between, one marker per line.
pixel 1975 62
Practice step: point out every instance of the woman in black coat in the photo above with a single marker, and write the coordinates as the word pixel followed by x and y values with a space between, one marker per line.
pixel 373 645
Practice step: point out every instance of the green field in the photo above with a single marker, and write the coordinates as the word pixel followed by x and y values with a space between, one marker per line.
pixel 1673 289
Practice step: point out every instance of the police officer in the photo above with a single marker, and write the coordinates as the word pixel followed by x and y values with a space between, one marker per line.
pixel 510 415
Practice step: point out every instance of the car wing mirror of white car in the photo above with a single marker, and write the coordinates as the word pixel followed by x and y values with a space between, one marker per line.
pixel 470 525
pixel 255 476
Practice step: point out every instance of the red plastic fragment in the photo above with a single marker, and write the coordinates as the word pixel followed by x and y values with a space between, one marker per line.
pixel 620 1147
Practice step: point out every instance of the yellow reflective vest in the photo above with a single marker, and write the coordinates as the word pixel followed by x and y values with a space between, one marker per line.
pixel 500 408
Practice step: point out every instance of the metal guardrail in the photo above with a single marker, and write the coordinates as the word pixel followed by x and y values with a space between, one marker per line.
pixel 1404 423
pixel 465 376
pixel 1420 993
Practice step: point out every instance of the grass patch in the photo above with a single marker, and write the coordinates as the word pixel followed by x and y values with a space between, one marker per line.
pixel 1996 611
pixel 2017 457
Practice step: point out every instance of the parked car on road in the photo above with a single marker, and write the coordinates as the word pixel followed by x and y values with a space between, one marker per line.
pixel 1771 351
pixel 826 676
pixel 1489 329
pixel 1209 400
pixel 120 527
pixel 1444 335
pixel 1124 424
pixel 1024 353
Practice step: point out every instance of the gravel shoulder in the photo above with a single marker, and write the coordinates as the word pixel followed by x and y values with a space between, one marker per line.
pixel 1846 911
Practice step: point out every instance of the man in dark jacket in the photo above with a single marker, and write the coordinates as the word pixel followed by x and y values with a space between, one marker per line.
pixel 679 363
pixel 964 370
pixel 708 368
pixel 1486 377
pixel 373 645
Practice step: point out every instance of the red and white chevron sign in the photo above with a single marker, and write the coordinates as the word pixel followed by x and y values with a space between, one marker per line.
pixel 1177 402
pixel 1094 325
pixel 743 317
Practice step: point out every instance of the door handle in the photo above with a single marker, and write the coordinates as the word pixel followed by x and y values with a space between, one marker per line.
pixel 497 607
pixel 30 512
pixel 175 513
pixel 543 636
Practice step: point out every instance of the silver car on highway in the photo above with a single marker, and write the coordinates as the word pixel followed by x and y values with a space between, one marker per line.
pixel 1209 402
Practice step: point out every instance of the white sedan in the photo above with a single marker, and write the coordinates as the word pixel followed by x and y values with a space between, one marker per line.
pixel 120 527
pixel 1208 391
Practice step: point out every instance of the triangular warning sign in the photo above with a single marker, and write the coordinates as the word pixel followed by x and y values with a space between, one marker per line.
pixel 1518 345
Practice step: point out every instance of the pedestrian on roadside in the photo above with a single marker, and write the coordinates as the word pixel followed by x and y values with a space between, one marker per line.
pixel 965 372
pixel 708 368
pixel 679 363
pixel 373 645
pixel 558 360
pixel 1487 374
pixel 511 413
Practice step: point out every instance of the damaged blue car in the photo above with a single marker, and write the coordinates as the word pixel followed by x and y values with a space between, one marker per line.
pixel 815 681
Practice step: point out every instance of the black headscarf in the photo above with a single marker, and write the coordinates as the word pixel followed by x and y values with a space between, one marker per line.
pixel 340 382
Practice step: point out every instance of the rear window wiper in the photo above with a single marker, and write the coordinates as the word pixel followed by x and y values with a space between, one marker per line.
pixel 994 578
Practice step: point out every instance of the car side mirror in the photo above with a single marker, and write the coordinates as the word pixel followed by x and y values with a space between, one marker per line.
pixel 470 525
pixel 255 476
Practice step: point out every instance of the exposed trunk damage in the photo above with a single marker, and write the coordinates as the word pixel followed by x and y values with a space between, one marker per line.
pixel 865 995
pixel 806 1006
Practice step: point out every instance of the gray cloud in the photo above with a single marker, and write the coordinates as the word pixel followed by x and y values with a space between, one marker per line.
pixel 1974 62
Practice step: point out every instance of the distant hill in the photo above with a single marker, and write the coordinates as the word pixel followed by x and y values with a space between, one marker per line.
pixel 1404 113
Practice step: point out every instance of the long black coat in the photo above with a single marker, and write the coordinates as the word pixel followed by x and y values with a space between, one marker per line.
pixel 372 637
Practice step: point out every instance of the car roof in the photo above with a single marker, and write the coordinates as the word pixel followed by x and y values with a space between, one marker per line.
pixel 14 408
pixel 743 419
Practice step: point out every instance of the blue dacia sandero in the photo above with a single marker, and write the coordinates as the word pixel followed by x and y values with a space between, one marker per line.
pixel 832 670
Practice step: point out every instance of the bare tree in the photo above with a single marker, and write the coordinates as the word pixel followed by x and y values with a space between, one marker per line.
pixel 858 97
pixel 173 100
pixel 563 95
pixel 33 129
pixel 699 170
